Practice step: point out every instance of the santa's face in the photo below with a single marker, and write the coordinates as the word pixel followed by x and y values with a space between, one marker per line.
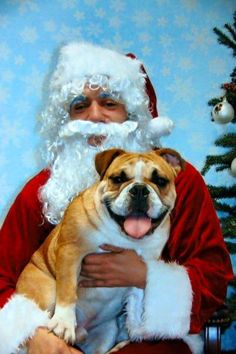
pixel 97 105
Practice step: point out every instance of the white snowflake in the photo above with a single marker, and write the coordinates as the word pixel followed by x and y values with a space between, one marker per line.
pixel 114 22
pixel 162 21
pixel 4 94
pixel 4 21
pixel 100 13
pixel 162 2
pixel 95 30
pixel 190 4
pixel 165 71
pixel 185 63
pixel 117 6
pixel 66 33
pixel 145 37
pixel 169 57
pixel 49 26
pixel 180 21
pixel 22 106
pixel 44 56
pixel 19 60
pixel 25 5
pixel 218 66
pixel 182 89
pixel 68 4
pixel 146 50
pixel 33 82
pixel 7 75
pixel 118 43
pixel 184 123
pixel 11 132
pixel 5 51
pixel 197 141
pixel 79 15
pixel 199 38
pixel 91 3
pixel 29 35
pixel 142 18
pixel 166 40
pixel 28 158
pixel 3 160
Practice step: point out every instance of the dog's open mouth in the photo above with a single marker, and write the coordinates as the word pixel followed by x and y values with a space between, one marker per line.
pixel 136 224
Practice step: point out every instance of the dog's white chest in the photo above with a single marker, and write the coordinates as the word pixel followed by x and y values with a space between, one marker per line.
pixel 96 305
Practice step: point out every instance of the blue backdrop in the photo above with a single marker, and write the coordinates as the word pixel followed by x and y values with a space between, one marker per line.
pixel 175 40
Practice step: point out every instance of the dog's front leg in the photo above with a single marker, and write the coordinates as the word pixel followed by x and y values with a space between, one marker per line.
pixel 68 264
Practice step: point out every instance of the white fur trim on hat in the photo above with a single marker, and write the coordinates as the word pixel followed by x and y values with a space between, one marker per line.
pixel 163 310
pixel 19 319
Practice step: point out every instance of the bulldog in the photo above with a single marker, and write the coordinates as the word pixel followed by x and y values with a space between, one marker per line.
pixel 130 208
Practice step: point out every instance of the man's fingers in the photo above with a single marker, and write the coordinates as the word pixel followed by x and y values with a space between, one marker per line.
pixel 111 248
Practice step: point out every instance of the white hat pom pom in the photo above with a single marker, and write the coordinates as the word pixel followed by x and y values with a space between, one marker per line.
pixel 160 126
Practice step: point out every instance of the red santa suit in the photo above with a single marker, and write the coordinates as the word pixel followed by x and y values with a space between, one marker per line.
pixel 195 246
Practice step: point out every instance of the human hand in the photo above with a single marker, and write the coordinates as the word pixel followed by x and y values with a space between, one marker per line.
pixel 118 267
pixel 45 342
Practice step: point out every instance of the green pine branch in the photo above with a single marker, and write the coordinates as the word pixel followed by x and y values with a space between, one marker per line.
pixel 227 140
pixel 225 40
pixel 231 31
pixel 231 246
pixel 226 208
pixel 220 192
pixel 225 160
pixel 228 226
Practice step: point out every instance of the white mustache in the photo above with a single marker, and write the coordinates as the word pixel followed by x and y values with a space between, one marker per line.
pixel 87 128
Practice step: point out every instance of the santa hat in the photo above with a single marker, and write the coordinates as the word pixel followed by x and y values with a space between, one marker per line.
pixel 124 76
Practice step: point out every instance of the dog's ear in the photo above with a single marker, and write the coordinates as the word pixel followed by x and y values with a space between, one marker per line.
pixel 104 159
pixel 172 157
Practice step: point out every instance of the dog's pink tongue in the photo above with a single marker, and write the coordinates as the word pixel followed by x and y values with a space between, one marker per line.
pixel 136 226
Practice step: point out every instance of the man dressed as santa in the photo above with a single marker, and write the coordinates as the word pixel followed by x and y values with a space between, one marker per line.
pixel 98 99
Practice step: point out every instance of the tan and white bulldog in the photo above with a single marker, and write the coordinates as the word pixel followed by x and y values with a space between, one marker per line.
pixel 129 207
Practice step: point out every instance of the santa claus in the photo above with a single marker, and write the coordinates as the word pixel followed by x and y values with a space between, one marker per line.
pixel 98 99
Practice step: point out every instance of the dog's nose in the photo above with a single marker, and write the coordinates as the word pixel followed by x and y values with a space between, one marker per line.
pixel 139 191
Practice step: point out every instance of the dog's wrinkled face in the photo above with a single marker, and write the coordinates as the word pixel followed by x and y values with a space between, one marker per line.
pixel 139 190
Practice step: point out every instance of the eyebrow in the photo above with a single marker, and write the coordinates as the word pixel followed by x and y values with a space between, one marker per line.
pixel 106 95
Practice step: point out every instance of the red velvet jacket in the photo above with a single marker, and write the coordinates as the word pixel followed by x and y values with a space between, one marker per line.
pixel 195 241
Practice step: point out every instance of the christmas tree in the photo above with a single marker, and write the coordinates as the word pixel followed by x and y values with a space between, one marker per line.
pixel 223 196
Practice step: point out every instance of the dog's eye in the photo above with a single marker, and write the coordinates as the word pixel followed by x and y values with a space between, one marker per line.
pixel 119 179
pixel 158 180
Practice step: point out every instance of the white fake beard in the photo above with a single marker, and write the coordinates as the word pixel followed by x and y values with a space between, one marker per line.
pixel 74 170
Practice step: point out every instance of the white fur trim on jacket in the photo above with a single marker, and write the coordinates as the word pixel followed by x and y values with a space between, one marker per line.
pixel 163 310
pixel 19 319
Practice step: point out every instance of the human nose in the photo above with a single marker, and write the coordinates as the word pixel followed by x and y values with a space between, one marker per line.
pixel 95 113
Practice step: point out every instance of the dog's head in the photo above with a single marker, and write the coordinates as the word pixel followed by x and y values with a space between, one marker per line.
pixel 138 188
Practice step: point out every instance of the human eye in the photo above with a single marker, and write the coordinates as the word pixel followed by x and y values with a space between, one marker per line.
pixel 110 103
pixel 79 107
pixel 79 104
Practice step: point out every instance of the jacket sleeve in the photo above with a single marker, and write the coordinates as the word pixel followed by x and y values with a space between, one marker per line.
pixel 189 283
pixel 23 230
pixel 197 244
pixel 21 234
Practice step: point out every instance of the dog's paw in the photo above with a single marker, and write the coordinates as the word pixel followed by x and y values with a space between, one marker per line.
pixel 63 324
